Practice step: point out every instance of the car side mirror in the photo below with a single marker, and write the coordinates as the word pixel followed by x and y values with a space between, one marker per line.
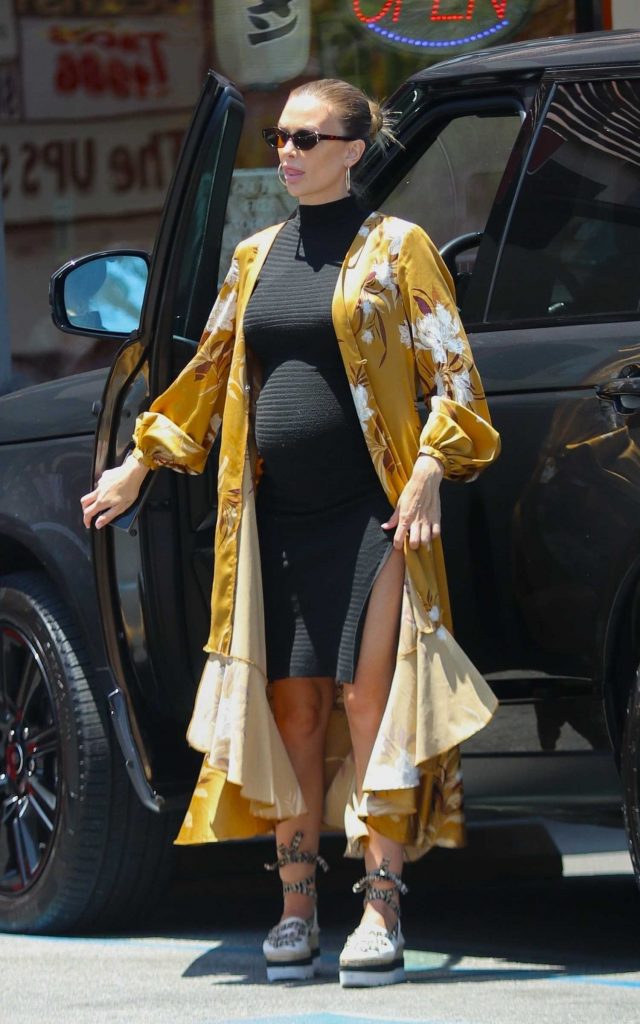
pixel 100 294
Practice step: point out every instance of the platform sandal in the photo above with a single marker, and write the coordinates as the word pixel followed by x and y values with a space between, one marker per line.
pixel 292 947
pixel 372 955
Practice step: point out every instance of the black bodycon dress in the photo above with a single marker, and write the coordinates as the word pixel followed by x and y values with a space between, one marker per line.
pixel 319 502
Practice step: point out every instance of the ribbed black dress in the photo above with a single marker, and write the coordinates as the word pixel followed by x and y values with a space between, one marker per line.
pixel 319 502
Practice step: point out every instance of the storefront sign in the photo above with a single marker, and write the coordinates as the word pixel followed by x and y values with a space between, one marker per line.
pixel 102 8
pixel 89 69
pixel 262 42
pixel 84 170
pixel 442 24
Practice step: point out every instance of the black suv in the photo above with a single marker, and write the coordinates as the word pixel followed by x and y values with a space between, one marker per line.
pixel 523 163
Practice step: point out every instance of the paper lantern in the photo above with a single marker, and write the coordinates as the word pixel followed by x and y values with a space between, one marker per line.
pixel 262 42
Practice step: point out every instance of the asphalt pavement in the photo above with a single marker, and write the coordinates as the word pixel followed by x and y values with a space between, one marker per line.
pixel 547 934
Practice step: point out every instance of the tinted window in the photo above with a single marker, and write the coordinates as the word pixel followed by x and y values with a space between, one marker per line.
pixel 450 189
pixel 573 245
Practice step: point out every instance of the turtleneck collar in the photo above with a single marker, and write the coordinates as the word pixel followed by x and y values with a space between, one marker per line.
pixel 324 214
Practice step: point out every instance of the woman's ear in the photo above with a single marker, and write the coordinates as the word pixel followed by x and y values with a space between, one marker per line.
pixel 355 150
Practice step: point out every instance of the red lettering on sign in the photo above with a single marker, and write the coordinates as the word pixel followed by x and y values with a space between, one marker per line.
pixel 499 6
pixel 120 63
pixel 369 19
pixel 437 16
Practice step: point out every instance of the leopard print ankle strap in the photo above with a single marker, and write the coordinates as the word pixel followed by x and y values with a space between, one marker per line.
pixel 306 886
pixel 375 892
pixel 294 855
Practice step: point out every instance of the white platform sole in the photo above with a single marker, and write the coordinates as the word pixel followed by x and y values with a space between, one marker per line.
pixel 293 970
pixel 368 977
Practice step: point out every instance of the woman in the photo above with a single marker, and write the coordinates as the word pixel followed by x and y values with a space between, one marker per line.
pixel 328 560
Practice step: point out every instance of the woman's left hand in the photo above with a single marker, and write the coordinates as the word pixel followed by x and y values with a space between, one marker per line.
pixel 418 510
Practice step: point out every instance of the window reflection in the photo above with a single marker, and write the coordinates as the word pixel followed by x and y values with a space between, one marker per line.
pixel 106 293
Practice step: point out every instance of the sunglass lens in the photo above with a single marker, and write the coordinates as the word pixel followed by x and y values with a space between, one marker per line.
pixel 273 137
pixel 305 140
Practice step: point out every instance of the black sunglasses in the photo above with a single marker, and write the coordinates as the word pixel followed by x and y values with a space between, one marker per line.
pixel 304 139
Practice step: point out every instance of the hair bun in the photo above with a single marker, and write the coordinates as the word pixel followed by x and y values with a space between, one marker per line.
pixel 377 118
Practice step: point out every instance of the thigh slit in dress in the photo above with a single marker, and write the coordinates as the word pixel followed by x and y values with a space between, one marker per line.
pixel 319 501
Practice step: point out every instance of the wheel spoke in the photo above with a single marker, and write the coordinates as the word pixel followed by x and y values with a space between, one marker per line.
pixel 27 849
pixel 45 795
pixel 5 671
pixel 30 680
pixel 43 814
pixel 42 743
pixel 5 848
pixel 9 808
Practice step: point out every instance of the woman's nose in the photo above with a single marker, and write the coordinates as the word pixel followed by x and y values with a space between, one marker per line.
pixel 288 147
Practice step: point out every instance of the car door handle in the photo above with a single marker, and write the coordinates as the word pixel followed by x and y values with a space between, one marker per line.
pixel 623 392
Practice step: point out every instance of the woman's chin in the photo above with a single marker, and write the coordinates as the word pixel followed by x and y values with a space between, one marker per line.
pixel 294 182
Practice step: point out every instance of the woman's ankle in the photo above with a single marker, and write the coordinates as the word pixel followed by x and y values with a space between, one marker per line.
pixel 298 905
pixel 377 912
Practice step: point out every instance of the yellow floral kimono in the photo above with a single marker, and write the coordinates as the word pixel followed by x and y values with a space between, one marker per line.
pixel 399 333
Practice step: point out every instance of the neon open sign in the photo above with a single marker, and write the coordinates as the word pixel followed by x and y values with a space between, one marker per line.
pixel 442 24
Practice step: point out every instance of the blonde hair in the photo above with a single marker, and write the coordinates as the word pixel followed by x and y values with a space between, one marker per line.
pixel 361 117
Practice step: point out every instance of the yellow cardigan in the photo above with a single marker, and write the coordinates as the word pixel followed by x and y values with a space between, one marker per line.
pixel 399 333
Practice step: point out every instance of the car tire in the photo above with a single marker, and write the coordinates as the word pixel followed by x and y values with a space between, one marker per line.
pixel 630 772
pixel 78 851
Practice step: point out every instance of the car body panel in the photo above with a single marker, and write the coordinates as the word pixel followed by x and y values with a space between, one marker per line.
pixel 58 408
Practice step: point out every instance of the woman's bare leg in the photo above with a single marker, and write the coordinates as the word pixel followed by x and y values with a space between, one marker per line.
pixel 365 702
pixel 301 708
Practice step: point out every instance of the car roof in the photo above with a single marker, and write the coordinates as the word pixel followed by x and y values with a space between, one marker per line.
pixel 537 55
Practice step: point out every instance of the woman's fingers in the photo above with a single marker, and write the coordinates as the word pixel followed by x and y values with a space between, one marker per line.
pixel 105 511
pixel 415 534
pixel 106 517
pixel 392 520
pixel 421 525
pixel 114 492
pixel 88 499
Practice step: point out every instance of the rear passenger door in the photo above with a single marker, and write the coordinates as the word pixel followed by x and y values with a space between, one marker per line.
pixel 539 548
pixel 558 318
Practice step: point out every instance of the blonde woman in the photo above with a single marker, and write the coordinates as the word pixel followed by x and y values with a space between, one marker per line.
pixel 334 694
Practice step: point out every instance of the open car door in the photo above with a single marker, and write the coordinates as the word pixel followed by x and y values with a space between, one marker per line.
pixel 154 581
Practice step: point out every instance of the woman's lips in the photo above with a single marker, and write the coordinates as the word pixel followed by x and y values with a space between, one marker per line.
pixel 291 173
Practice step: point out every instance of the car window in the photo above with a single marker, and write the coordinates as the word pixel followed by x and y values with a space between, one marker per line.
pixel 573 245
pixel 450 189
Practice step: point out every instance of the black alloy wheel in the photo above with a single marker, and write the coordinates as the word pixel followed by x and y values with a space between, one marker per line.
pixel 78 851
pixel 29 762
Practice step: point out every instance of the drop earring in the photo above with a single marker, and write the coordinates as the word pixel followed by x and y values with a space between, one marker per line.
pixel 347 179
pixel 281 176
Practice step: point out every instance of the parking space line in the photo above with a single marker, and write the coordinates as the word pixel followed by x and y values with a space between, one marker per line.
pixel 331 1018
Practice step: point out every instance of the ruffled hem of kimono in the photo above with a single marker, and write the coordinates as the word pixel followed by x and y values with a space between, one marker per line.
pixel 412 792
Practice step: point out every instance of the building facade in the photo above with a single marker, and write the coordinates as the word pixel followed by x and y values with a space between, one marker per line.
pixel 95 96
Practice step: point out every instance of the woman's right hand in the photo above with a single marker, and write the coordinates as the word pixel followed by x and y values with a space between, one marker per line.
pixel 114 493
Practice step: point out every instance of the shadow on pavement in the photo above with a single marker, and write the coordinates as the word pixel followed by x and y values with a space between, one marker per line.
pixel 535 928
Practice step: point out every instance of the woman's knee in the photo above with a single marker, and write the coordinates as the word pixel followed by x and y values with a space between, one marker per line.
pixel 301 717
pixel 364 708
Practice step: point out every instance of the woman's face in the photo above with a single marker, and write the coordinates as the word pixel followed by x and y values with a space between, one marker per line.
pixel 316 175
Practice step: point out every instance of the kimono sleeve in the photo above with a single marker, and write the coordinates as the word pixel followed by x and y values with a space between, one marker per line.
pixel 182 423
pixel 458 430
